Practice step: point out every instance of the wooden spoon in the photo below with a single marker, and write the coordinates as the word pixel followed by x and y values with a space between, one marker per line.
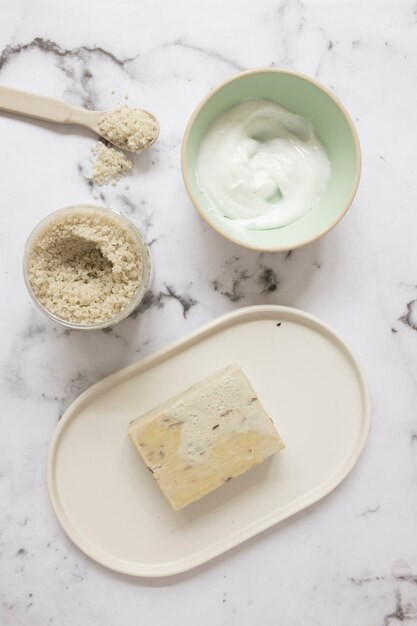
pixel 58 111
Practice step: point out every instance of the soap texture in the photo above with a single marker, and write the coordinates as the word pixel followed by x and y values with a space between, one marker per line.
pixel 204 437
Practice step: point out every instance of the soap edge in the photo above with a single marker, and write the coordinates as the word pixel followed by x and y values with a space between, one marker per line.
pixel 149 415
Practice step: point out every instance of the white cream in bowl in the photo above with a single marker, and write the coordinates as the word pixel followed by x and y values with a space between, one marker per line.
pixel 261 165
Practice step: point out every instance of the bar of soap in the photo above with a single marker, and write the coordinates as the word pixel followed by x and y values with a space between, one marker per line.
pixel 204 437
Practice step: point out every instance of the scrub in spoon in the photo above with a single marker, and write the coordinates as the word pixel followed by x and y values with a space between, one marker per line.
pixel 127 128
pixel 130 129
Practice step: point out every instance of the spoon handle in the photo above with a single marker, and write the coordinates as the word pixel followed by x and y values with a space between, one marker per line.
pixel 40 107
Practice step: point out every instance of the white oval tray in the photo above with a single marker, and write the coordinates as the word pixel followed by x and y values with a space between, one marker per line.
pixel 307 380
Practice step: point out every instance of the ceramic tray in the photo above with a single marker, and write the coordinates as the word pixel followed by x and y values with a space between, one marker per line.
pixel 307 380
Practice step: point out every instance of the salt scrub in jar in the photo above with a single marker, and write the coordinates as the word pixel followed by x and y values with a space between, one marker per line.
pixel 261 165
pixel 87 267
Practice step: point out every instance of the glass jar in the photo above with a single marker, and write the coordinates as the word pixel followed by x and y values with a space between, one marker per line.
pixel 137 238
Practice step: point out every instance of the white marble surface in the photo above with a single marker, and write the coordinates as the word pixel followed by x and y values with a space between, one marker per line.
pixel 351 559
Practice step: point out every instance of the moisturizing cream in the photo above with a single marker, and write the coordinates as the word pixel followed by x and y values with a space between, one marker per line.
pixel 261 165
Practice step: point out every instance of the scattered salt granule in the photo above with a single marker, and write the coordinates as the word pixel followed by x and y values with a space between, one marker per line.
pixel 109 164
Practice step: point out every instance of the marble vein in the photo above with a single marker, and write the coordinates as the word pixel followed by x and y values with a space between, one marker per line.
pixel 410 317
pixel 402 612
pixel 237 282
pixel 211 53
pixel 158 300
pixel 49 46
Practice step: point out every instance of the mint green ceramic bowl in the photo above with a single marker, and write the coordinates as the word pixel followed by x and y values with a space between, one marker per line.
pixel 332 124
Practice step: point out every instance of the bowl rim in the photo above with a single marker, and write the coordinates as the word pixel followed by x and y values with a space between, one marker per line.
pixel 184 151
pixel 143 286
